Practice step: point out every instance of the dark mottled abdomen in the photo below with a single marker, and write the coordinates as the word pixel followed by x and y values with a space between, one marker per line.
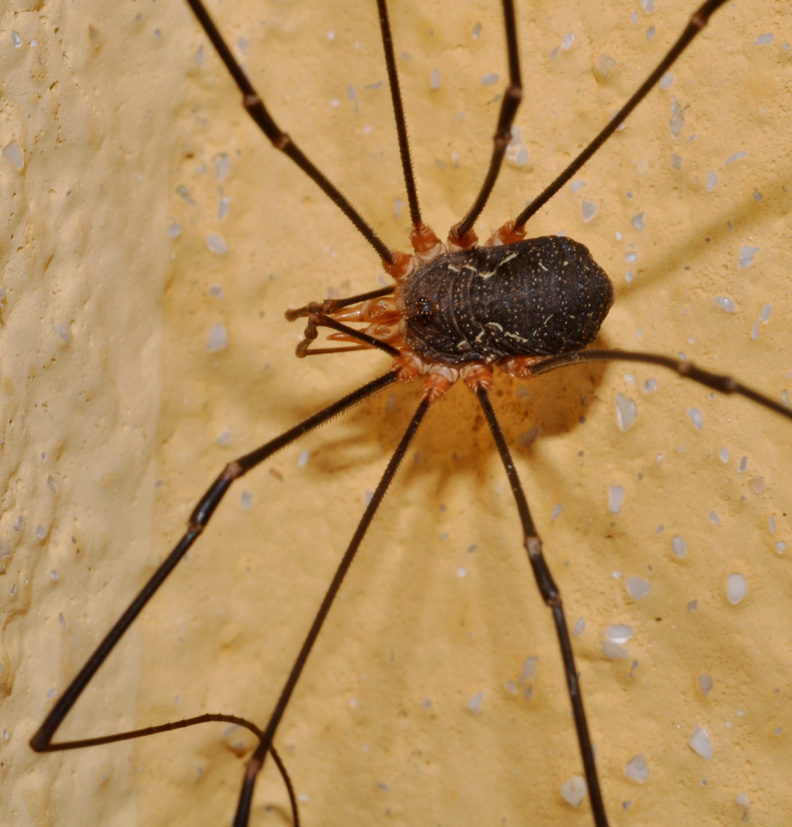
pixel 537 297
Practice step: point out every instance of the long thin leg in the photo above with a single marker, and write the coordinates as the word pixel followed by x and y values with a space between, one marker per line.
pixel 698 21
pixel 172 726
pixel 280 140
pixel 552 598
pixel 511 101
pixel 144 732
pixel 398 111
pixel 202 513
pixel 687 370
pixel 256 761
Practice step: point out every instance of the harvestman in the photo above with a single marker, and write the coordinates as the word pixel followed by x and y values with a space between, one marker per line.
pixel 456 310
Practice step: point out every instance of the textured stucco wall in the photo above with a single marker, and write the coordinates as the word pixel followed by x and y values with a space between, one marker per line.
pixel 84 250
pixel 132 136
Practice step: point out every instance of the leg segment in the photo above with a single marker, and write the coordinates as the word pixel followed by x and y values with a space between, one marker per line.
pixel 461 235
pixel 552 599
pixel 202 513
pixel 698 21
pixel 687 370
pixel 256 761
pixel 280 140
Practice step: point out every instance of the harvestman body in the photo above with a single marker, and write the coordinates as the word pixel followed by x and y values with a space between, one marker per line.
pixel 538 297
pixel 458 313
pixel 457 310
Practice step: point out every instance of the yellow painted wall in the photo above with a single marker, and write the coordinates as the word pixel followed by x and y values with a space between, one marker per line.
pixel 127 124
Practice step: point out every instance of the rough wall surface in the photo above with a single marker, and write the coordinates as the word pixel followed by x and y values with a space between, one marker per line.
pixel 85 249
pixel 148 212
